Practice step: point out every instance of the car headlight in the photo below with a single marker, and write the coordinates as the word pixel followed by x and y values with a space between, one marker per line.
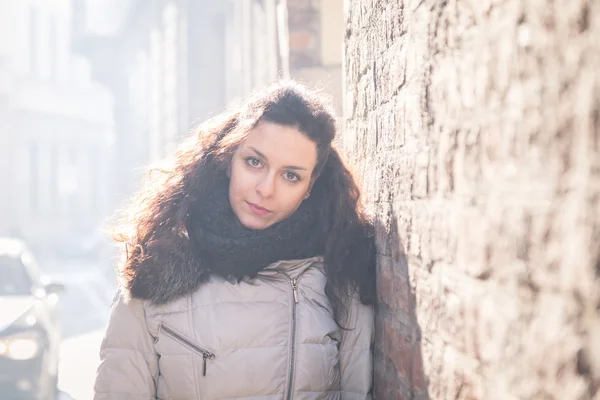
pixel 20 346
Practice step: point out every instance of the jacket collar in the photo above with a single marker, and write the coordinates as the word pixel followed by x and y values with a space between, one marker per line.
pixel 292 268
pixel 163 282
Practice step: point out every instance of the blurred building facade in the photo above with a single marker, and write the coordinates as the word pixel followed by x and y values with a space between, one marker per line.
pixel 254 49
pixel 55 129
pixel 161 67
pixel 298 39
pixel 170 64
pixel 316 39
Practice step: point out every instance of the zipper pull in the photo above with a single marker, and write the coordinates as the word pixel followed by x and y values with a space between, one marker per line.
pixel 295 288
pixel 206 356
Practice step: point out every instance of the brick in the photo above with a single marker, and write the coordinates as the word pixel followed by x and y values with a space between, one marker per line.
pixel 475 129
pixel 394 289
pixel 387 383
pixel 418 378
pixel 303 19
pixel 301 40
pixel 294 5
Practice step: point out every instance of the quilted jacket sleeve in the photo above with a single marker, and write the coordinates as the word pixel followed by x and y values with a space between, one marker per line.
pixel 128 363
pixel 356 353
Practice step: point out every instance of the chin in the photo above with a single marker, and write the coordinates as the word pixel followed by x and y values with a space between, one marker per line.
pixel 254 223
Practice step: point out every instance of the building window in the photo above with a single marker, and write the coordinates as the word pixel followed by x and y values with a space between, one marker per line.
pixel 138 86
pixel 93 180
pixel 68 183
pixel 33 42
pixel 52 47
pixel 260 40
pixel 53 181
pixel 156 115
pixel 34 178
pixel 171 75
pixel 73 171
pixel 233 54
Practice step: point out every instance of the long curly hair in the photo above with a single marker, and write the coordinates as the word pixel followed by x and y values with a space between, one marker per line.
pixel 156 220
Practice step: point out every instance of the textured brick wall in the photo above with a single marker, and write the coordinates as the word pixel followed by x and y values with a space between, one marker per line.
pixel 475 126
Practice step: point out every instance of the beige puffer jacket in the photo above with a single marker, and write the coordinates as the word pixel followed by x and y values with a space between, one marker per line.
pixel 272 337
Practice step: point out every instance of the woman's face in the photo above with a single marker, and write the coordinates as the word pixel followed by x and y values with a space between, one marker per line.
pixel 271 174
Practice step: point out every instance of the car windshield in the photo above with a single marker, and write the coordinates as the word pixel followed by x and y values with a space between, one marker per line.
pixel 14 279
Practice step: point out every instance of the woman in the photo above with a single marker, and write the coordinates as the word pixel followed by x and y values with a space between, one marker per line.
pixel 249 270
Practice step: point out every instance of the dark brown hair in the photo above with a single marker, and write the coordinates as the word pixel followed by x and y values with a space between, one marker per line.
pixel 156 220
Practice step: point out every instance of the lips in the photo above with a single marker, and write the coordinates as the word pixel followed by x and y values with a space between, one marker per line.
pixel 258 210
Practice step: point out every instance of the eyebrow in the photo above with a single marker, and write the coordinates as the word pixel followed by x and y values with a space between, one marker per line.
pixel 292 167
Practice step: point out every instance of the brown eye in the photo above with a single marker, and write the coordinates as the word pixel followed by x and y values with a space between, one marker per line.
pixel 292 177
pixel 253 162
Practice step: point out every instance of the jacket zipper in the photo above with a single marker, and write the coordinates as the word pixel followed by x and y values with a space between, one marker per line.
pixel 294 283
pixel 206 355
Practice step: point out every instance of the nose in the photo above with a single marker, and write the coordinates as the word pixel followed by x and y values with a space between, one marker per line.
pixel 266 186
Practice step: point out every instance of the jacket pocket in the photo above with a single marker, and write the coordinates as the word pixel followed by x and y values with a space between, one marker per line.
pixel 178 337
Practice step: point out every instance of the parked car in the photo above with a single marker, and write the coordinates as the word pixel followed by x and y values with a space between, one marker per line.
pixel 29 326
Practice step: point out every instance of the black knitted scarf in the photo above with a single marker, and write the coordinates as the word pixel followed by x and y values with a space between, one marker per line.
pixel 225 247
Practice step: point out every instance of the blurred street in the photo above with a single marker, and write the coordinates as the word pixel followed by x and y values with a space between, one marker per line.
pixel 84 311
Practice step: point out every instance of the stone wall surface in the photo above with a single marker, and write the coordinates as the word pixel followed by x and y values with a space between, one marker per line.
pixel 475 129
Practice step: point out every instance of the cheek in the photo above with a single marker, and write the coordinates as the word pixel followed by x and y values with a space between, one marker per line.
pixel 294 198
pixel 238 181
